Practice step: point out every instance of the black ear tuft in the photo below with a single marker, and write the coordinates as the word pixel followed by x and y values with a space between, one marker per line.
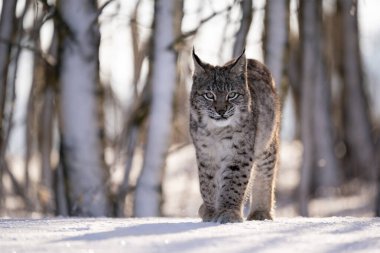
pixel 199 66
pixel 239 65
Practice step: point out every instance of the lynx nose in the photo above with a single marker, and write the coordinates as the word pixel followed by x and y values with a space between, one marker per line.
pixel 221 112
pixel 220 107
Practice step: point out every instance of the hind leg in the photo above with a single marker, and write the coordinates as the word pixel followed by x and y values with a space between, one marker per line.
pixel 262 205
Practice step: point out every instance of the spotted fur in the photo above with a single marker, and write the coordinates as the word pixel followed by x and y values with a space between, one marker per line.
pixel 234 124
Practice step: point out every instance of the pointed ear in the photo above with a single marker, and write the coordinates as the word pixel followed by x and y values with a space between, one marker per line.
pixel 199 66
pixel 239 65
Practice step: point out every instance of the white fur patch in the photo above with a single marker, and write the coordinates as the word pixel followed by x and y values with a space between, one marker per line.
pixel 221 123
pixel 212 123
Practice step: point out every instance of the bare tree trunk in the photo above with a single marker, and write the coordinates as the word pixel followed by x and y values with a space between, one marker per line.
pixel 360 144
pixel 83 159
pixel 139 52
pixel 149 187
pixel 293 67
pixel 8 117
pixel 180 128
pixel 327 173
pixel 178 16
pixel 307 23
pixel 47 118
pixel 124 186
pixel 140 108
pixel 46 130
pixel 245 24
pixel 276 37
pixel 60 192
pixel 46 195
pixel 132 128
pixel 31 108
pixel 377 204
pixel 319 161
pixel 7 21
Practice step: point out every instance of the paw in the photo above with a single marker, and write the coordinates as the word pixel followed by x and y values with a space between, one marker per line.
pixel 260 215
pixel 228 216
pixel 205 213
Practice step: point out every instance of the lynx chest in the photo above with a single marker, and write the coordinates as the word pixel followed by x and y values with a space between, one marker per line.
pixel 220 146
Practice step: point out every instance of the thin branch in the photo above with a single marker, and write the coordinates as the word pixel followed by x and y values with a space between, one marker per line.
pixel 21 191
pixel 54 13
pixel 124 186
pixel 192 32
pixel 46 57
pixel 224 37
pixel 17 45
pixel 138 53
pixel 102 7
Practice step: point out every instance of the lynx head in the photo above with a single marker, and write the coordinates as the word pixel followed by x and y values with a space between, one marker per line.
pixel 219 93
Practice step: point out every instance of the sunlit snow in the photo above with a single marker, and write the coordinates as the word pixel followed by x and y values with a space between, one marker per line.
pixel 190 235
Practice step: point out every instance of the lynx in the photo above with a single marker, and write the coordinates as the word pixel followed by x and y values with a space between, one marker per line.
pixel 234 125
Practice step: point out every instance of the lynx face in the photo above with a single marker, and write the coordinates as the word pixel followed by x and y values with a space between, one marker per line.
pixel 219 94
pixel 219 106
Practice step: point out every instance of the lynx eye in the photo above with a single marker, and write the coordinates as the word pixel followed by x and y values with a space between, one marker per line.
pixel 209 96
pixel 232 95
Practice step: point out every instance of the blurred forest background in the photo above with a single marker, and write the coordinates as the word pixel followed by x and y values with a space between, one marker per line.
pixel 94 102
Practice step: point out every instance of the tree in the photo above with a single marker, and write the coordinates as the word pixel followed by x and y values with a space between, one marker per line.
pixel 356 120
pixel 138 113
pixel 308 43
pixel 319 161
pixel 377 203
pixel 7 22
pixel 46 76
pixel 245 24
pixel 82 150
pixel 276 37
pixel 148 190
pixel 327 173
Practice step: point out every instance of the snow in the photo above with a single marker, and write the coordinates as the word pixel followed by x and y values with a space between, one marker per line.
pixel 334 234
pixel 287 233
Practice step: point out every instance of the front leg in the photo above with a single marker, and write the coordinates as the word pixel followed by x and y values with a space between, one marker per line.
pixel 233 181
pixel 207 187
pixel 206 213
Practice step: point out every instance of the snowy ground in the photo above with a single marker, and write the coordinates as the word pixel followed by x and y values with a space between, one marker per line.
pixel 182 199
pixel 189 235
pixel 181 188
